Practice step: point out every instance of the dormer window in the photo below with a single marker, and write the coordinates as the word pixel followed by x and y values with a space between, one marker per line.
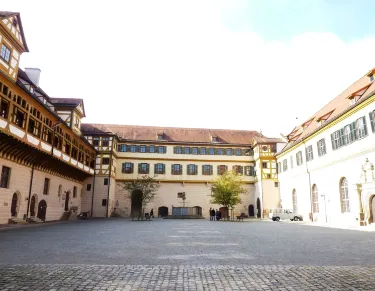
pixel 215 139
pixel 160 136
pixel 352 100
pixel 372 78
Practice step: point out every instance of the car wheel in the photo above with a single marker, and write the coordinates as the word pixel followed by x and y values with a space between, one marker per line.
pixel 273 218
pixel 296 218
pixel 277 218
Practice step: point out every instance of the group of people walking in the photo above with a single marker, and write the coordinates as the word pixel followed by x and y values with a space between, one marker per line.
pixel 215 214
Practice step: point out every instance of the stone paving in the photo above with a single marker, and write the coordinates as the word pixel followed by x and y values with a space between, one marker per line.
pixel 186 255
pixel 187 277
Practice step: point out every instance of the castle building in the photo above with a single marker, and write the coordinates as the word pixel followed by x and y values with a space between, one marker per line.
pixel 52 166
pixel 326 170
pixel 181 160
pixel 44 159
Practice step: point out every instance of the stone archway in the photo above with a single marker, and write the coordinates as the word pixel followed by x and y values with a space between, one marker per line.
pixel 42 210
pixel 67 198
pixel 259 210
pixel 372 209
pixel 163 211
pixel 15 206
pixel 136 204
pixel 251 210
pixel 33 203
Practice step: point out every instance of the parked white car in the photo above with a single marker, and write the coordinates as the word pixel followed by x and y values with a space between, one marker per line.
pixel 278 213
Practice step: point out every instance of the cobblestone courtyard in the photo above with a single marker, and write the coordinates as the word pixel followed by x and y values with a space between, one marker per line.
pixel 186 255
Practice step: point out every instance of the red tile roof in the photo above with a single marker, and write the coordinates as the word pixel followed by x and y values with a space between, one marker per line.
pixel 173 134
pixel 337 106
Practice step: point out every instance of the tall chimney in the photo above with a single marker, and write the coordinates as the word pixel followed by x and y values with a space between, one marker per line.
pixel 33 74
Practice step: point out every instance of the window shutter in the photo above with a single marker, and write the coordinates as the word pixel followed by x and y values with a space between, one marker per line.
pixel 341 134
pixel 211 169
pixel 218 170
pixel 148 168
pixel 371 114
pixel 353 131
pixel 319 149
pixel 139 168
pixel 333 142
pixel 312 153
pixel 131 167
pixel 226 168
pixel 364 124
pixel 163 168
pixel 202 169
pixel 307 156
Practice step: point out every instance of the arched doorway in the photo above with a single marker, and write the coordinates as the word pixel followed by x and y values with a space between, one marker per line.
pixel 251 210
pixel 33 202
pixel 198 210
pixel 259 211
pixel 224 212
pixel 162 211
pixel 372 208
pixel 42 210
pixel 67 198
pixel 136 206
pixel 15 204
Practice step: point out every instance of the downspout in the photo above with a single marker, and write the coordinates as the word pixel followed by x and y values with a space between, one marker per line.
pixel 30 189
pixel 308 172
pixel 109 183
pixel 93 189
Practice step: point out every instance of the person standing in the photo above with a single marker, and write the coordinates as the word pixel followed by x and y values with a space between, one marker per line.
pixel 152 213
pixel 211 214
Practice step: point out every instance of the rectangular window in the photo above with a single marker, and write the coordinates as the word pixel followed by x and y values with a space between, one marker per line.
pixel 142 149
pixel 285 165
pixel 202 151
pixel 177 150
pixel 19 117
pixel 5 53
pixel 264 165
pixel 211 151
pixel 337 139
pixel 237 152
pixel 88 187
pixel 309 153
pixel 291 162
pixel 159 169
pixel 5 177
pixel 321 147
pixel 238 169
pixel 4 109
pixel 372 120
pixel 127 168
pixel 192 169
pixel 106 180
pixel 133 148
pixel 221 169
pixel 160 136
pixel 46 186
pixel 104 202
pixel 219 152
pixel 122 147
pixel 105 161
pixel 299 158
pixel 186 151
pixel 248 170
pixel 361 127
pixel 229 152
pixel 176 169
pixel 276 184
pixel 34 127
pixel 143 168
pixel 206 170
pixel 105 142
pixel 95 141
pixel 151 149
pixel 194 151
pixel 162 150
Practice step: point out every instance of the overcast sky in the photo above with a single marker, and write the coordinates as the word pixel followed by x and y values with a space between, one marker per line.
pixel 255 65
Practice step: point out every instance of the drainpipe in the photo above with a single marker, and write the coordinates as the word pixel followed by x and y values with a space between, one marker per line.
pixel 30 188
pixel 93 189
pixel 109 183
pixel 308 172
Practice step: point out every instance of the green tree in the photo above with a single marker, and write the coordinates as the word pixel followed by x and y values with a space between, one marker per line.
pixel 141 192
pixel 227 189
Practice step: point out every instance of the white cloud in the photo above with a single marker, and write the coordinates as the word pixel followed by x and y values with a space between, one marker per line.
pixel 174 64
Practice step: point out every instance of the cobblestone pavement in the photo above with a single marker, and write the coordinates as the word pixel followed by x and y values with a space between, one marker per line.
pixel 241 277
pixel 186 255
